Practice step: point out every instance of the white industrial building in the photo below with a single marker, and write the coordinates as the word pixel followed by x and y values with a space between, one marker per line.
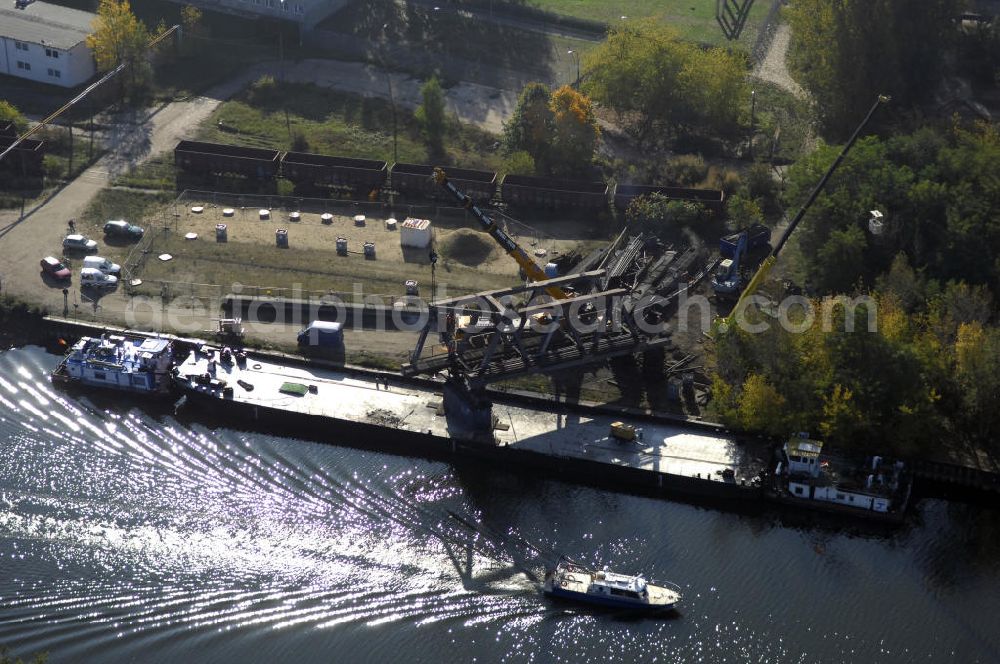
pixel 46 43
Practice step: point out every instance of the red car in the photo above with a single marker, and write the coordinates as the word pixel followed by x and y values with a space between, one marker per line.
pixel 55 268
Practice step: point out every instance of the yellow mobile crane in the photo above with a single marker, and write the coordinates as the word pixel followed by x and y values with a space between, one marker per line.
pixel 768 263
pixel 530 267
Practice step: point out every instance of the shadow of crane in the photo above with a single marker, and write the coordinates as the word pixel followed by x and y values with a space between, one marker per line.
pixel 732 16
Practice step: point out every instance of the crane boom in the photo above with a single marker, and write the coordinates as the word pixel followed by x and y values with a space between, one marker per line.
pixel 506 242
pixel 768 263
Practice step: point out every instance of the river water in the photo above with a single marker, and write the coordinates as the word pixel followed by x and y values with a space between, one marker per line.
pixel 129 533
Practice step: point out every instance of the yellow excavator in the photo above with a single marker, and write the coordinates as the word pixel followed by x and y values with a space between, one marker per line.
pixel 765 267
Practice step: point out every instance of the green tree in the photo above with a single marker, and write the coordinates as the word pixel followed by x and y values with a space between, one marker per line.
pixel 761 407
pixel 643 70
pixel 191 18
pixel 575 131
pixel 761 185
pixel 431 116
pixel 8 113
pixel 842 420
pixel 658 215
pixel 836 266
pixel 716 91
pixel 977 351
pixel 743 211
pixel 519 163
pixel 938 192
pixel 194 29
pixel 848 51
pixel 119 37
pixel 637 70
pixel 529 128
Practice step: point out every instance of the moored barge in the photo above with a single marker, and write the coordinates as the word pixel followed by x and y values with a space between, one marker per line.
pixel 118 362
pixel 575 444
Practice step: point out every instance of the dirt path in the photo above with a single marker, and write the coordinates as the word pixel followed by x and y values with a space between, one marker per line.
pixel 774 66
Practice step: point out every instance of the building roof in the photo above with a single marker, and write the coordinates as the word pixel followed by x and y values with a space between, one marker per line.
pixel 45 23
pixel 803 447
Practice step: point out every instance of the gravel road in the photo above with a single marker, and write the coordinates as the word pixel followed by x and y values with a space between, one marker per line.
pixel 774 66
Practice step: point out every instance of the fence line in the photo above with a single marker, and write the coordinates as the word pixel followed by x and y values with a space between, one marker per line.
pixel 216 292
pixel 347 207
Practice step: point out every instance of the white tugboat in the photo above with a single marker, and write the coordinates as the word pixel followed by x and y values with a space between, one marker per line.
pixel 131 364
pixel 576 582
pixel 876 488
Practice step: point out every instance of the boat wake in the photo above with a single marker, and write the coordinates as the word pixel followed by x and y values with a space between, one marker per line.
pixel 155 527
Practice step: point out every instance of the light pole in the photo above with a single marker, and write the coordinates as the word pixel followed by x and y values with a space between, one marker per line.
pixel 576 56
pixel 281 73
pixel 392 97
pixel 281 50
pixel 753 110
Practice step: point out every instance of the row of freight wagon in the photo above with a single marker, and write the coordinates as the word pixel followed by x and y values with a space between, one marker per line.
pixel 363 176
pixel 26 158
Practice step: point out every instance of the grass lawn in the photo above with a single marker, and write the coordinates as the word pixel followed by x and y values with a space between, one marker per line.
pixel 694 19
pixel 341 124
pixel 436 35
pixel 331 122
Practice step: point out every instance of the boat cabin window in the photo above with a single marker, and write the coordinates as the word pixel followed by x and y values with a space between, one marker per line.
pixel 621 592
pixel 100 375
pixel 798 490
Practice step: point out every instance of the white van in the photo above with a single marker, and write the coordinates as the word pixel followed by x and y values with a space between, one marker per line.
pixel 94 278
pixel 323 334
pixel 102 264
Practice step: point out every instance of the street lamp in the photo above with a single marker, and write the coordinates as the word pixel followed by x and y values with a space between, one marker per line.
pixel 392 97
pixel 753 109
pixel 281 50
pixel 281 72
pixel 576 56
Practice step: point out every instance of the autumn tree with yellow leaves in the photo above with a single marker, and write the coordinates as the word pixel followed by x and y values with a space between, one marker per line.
pixel 558 130
pixel 575 131
pixel 121 38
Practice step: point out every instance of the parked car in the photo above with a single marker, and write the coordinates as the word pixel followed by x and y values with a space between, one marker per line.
pixel 91 277
pixel 322 334
pixel 102 264
pixel 54 267
pixel 77 242
pixel 123 229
